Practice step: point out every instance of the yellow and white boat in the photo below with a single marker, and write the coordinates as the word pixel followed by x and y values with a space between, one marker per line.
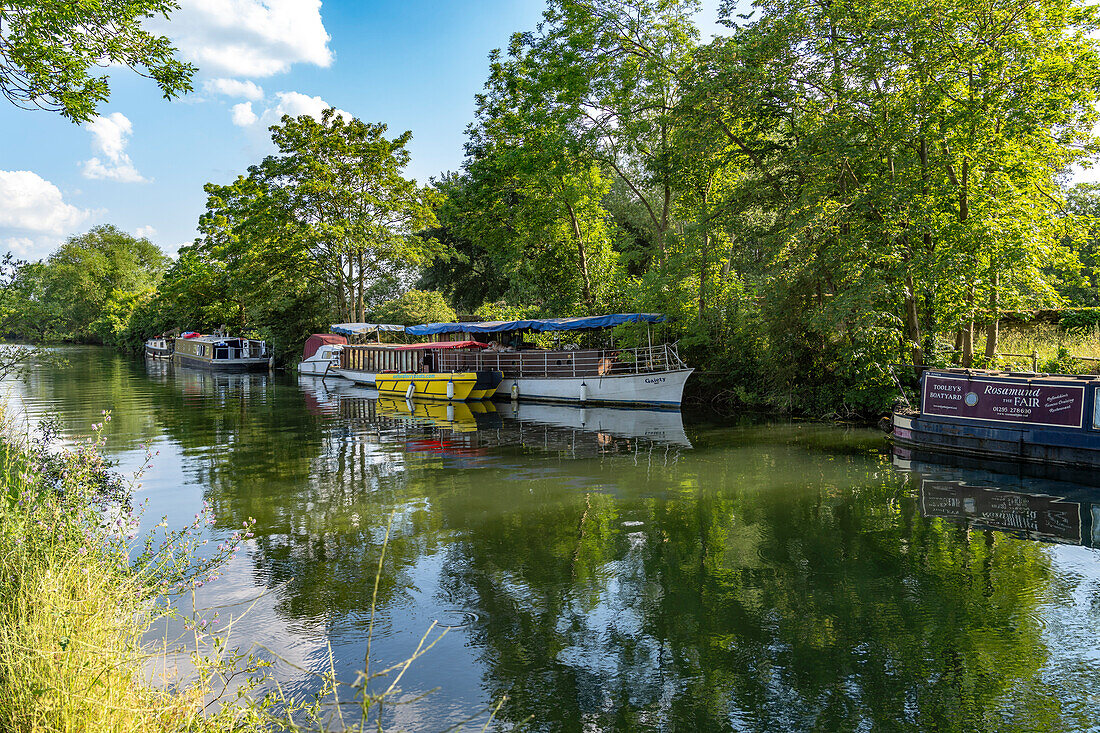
pixel 430 385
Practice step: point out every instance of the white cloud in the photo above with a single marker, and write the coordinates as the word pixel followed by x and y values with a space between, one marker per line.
pixel 110 135
pixel 294 104
pixel 243 116
pixel 145 232
pixel 248 37
pixel 234 88
pixel 30 202
pixel 30 248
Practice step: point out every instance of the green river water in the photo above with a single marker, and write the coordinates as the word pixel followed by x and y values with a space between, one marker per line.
pixel 615 569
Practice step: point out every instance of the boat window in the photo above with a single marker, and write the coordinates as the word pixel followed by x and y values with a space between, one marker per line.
pixel 1096 408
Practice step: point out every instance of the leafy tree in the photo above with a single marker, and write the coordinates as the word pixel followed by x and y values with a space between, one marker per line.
pixel 48 51
pixel 335 192
pixel 1082 288
pixel 464 271
pixel 413 307
pixel 92 270
pixel 603 77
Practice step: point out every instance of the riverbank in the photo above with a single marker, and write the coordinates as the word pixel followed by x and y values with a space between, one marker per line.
pixel 74 608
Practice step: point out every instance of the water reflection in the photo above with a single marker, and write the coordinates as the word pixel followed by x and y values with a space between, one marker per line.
pixel 614 569
pixel 972 492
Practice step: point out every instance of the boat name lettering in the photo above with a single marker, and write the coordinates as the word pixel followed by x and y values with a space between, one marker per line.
pixel 654 380
pixel 1012 391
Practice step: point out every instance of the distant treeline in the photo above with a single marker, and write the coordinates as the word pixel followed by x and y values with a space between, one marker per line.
pixel 823 191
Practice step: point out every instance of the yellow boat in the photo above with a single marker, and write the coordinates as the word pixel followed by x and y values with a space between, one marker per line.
pixel 432 386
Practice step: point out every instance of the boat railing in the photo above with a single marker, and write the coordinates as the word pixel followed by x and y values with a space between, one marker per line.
pixel 566 363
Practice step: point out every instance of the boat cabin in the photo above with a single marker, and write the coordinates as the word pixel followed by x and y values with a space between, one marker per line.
pixel 224 353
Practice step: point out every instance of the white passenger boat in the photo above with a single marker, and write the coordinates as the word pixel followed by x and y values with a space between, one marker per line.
pixel 649 375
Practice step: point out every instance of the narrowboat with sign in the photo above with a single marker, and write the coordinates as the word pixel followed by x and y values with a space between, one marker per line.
pixel 221 353
pixel 1051 419
pixel 653 376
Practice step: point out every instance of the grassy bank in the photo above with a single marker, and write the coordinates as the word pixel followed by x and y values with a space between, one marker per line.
pixel 79 592
pixel 75 604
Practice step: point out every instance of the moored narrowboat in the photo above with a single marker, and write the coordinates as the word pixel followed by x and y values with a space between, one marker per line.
pixel 221 353
pixel 159 347
pixel 1051 419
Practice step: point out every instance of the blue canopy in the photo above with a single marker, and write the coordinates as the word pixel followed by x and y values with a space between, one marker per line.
pixel 536 324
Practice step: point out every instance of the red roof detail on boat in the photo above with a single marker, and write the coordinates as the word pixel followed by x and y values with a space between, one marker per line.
pixel 444 345
pixel 318 340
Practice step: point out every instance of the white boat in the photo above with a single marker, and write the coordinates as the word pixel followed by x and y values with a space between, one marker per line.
pixel 320 354
pixel 652 376
pixel 158 348
pixel 656 388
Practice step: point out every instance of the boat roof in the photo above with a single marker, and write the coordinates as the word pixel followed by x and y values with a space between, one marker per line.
pixel 536 324
pixel 208 339
pixel 443 345
pixel 958 372
pixel 354 329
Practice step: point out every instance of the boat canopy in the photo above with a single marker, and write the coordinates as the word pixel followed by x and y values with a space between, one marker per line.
pixel 317 340
pixel 536 324
pixel 443 345
pixel 354 329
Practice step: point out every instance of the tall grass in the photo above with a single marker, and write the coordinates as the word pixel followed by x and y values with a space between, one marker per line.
pixel 1048 340
pixel 73 610
pixel 77 597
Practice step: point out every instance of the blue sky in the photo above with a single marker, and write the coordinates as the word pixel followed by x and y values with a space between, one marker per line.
pixel 414 64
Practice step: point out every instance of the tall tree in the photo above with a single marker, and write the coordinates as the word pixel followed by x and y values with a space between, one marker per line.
pixel 605 76
pixel 336 191
pixel 91 269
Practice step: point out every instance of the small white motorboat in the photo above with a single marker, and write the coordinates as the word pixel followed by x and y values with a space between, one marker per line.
pixel 321 352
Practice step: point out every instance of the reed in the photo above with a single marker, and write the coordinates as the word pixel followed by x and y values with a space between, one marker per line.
pixel 73 609
pixel 78 596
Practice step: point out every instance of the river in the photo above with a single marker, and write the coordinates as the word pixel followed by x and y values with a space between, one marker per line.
pixel 614 569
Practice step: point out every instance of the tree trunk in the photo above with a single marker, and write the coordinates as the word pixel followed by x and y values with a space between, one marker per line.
pixel 992 329
pixel 582 256
pixel 360 311
pixel 968 333
pixel 912 321
pixel 703 253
